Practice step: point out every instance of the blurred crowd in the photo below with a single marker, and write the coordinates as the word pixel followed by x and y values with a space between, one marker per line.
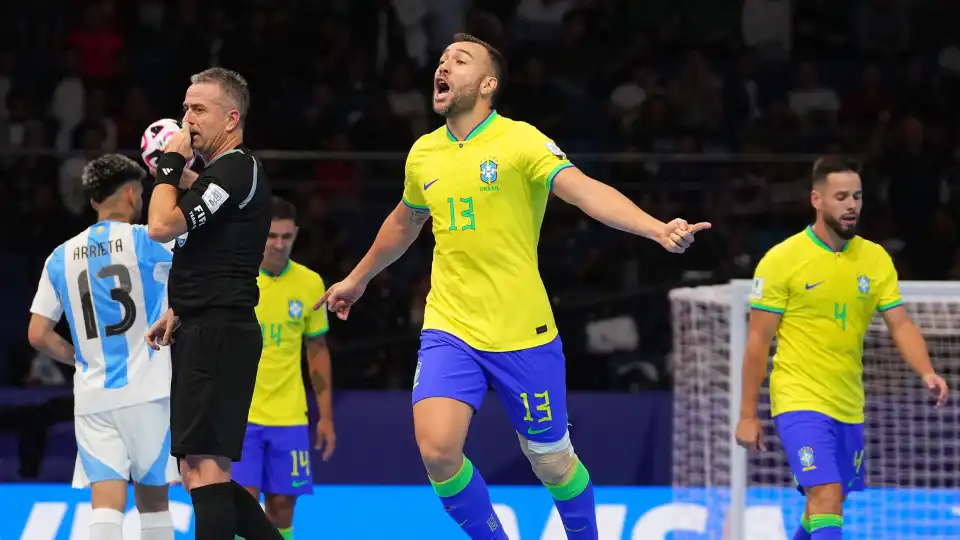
pixel 710 108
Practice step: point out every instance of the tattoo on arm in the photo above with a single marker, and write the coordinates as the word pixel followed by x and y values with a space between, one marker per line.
pixel 419 217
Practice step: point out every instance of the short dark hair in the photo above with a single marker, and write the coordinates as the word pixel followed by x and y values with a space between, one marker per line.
pixel 496 58
pixel 232 83
pixel 105 175
pixel 281 208
pixel 827 165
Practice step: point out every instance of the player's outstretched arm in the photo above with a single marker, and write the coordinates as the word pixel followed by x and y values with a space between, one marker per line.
pixel 762 328
pixel 45 339
pixel 909 340
pixel 612 208
pixel 396 235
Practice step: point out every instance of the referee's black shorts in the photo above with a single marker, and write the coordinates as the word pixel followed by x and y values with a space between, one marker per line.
pixel 215 361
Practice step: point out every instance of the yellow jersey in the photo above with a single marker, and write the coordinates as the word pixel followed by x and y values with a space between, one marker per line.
pixel 487 195
pixel 286 317
pixel 827 300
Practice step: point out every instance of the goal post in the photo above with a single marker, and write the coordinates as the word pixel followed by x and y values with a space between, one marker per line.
pixel 913 451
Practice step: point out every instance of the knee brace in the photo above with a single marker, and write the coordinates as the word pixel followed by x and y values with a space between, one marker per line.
pixel 553 463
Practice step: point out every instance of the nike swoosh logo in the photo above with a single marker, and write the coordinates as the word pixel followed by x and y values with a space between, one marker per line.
pixel 461 524
pixel 426 185
pixel 531 431
pixel 300 483
pixel 809 286
pixel 576 530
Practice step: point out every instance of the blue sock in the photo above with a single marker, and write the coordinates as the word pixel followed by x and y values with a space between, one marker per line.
pixel 803 531
pixel 466 499
pixel 826 527
pixel 576 506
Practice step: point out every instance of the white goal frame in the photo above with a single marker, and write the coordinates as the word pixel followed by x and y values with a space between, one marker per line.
pixel 911 291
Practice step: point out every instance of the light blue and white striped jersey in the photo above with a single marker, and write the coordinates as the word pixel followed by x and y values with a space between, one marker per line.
pixel 110 281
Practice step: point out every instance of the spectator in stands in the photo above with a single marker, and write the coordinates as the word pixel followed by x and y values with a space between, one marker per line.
pixel 863 105
pixel 68 102
pixel 811 96
pixel 98 43
pixel 883 26
pixel 406 101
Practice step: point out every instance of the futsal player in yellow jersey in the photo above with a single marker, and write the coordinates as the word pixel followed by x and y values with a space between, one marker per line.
pixel 817 291
pixel 276 450
pixel 485 181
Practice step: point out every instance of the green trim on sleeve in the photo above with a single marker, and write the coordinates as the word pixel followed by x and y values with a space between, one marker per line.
pixel 415 206
pixel 556 170
pixel 891 305
pixel 771 309
pixel 318 333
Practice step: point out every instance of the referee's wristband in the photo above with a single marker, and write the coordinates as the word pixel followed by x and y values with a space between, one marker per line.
pixel 170 168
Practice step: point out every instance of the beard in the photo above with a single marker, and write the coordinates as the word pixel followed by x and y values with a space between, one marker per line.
pixel 843 231
pixel 463 101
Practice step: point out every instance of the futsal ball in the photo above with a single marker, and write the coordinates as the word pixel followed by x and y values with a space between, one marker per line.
pixel 153 140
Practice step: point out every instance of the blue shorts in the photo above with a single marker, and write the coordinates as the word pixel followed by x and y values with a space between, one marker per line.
pixel 531 383
pixel 276 460
pixel 822 450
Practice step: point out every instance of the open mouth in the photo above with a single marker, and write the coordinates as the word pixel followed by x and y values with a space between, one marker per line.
pixel 849 220
pixel 441 88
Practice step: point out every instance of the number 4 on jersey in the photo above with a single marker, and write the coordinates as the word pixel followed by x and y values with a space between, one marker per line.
pixel 840 313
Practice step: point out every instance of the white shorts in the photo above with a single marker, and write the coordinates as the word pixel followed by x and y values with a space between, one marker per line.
pixel 130 443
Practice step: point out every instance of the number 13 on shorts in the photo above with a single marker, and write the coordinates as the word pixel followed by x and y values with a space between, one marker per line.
pixel 542 405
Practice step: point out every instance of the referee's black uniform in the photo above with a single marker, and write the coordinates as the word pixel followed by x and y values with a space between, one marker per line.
pixel 213 290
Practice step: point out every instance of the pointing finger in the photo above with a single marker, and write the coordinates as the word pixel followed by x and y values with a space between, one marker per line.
pixel 323 300
pixel 702 226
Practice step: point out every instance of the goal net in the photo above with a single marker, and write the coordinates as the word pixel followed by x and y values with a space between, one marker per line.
pixel 912 464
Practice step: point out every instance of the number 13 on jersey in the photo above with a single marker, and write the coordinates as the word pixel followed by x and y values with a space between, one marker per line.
pixel 463 205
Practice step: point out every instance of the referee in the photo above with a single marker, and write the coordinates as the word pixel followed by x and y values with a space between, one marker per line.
pixel 220 223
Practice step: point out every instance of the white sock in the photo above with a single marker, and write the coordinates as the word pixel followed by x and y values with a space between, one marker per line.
pixel 156 526
pixel 106 524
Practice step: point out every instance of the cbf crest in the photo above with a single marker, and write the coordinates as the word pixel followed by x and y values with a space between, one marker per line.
pixel 863 284
pixel 489 173
pixel 806 458
pixel 295 309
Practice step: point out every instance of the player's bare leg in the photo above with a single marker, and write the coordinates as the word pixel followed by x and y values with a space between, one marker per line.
pixel 108 499
pixel 280 512
pixel 441 426
pixel 824 512
pixel 153 503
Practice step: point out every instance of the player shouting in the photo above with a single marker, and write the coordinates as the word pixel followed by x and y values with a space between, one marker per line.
pixel 485 181
pixel 817 291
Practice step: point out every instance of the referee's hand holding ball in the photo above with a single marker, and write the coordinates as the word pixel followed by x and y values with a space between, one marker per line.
pixel 181 142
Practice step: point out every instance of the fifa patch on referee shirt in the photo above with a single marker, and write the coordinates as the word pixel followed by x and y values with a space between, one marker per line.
pixel 756 292
pixel 214 196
